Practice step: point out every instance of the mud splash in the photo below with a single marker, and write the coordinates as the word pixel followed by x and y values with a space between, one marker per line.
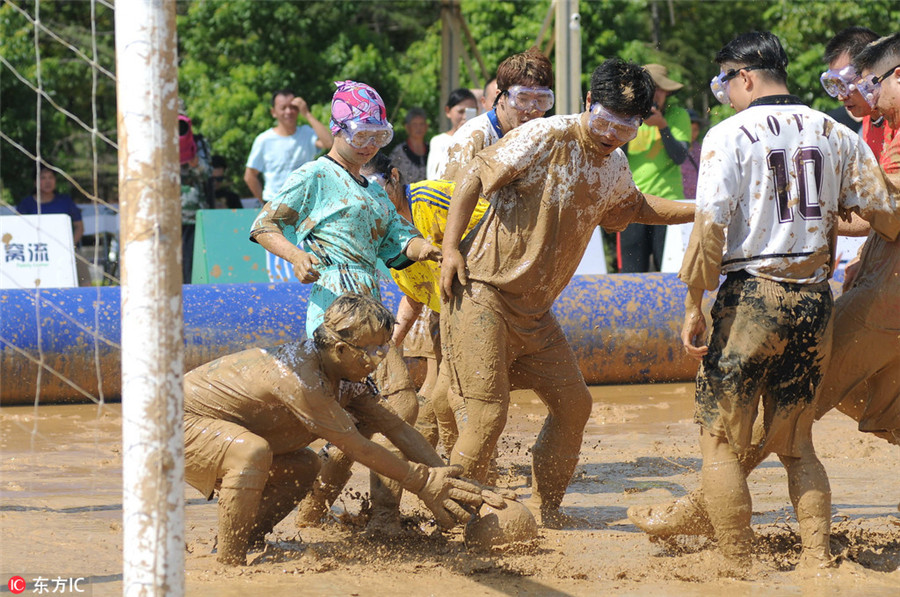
pixel 60 485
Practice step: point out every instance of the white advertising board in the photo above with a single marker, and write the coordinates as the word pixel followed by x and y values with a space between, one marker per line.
pixel 37 251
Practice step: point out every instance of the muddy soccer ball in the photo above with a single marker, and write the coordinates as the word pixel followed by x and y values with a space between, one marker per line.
pixel 492 527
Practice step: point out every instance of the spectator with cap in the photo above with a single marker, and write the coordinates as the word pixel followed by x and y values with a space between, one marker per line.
pixel 411 156
pixel 655 157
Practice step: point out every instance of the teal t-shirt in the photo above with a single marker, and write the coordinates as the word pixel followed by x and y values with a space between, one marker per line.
pixel 653 170
pixel 346 224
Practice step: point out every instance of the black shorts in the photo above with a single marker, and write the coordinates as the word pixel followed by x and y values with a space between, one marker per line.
pixel 770 341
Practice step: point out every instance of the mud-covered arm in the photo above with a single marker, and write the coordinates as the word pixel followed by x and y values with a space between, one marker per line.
pixel 407 312
pixel 656 210
pixel 413 444
pixel 465 197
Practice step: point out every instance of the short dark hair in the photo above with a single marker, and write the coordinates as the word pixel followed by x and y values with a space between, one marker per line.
pixel 282 92
pixel 623 87
pixel 218 161
pixel 379 164
pixel 350 317
pixel 530 68
pixel 761 50
pixel 458 96
pixel 848 41
pixel 885 48
pixel 415 113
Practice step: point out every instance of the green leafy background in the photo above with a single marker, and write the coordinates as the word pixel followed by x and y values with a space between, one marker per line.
pixel 234 53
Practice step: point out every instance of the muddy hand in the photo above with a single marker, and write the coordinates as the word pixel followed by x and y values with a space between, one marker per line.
pixel 453 266
pixel 496 497
pixel 693 334
pixel 429 252
pixel 445 495
pixel 305 268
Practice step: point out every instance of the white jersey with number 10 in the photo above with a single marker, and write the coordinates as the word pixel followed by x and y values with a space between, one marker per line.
pixel 776 176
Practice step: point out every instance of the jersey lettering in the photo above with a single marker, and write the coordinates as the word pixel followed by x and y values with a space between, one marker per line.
pixel 807 163
pixel 773 125
pixel 752 139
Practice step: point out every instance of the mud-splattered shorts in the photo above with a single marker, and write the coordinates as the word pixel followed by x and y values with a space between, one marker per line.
pixel 205 442
pixel 424 337
pixel 488 354
pixel 770 341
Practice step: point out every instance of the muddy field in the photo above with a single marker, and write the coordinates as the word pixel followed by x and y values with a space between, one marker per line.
pixel 61 515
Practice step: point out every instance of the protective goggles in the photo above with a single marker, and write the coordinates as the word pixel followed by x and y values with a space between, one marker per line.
pixel 374 354
pixel 720 83
pixel 527 99
pixel 870 87
pixel 602 122
pixel 361 134
pixel 839 83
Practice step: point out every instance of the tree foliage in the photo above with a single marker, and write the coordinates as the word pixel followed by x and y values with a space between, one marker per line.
pixel 233 54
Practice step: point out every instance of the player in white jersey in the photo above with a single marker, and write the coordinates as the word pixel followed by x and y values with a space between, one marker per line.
pixel 773 181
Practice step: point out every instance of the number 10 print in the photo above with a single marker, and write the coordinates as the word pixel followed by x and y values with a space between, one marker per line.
pixel 807 163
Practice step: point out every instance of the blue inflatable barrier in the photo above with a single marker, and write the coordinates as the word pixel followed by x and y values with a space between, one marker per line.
pixel 623 329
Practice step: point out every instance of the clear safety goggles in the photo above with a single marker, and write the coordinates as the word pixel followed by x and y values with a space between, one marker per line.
pixel 374 354
pixel 720 83
pixel 361 134
pixel 527 99
pixel 870 87
pixel 839 83
pixel 602 122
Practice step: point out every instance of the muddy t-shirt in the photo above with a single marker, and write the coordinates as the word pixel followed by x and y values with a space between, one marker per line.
pixel 282 395
pixel 549 187
pixel 773 180
pixel 472 137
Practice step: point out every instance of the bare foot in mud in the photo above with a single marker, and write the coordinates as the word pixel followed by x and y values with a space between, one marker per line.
pixel 557 520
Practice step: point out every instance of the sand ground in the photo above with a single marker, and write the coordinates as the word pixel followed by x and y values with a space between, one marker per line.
pixel 60 484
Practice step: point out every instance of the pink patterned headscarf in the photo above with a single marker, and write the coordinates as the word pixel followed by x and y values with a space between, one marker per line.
pixel 356 101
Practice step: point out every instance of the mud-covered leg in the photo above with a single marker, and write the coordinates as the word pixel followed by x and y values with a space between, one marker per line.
pixel 557 448
pixel 685 515
pixel 245 470
pixel 290 478
pixel 395 383
pixel 333 476
pixel 727 496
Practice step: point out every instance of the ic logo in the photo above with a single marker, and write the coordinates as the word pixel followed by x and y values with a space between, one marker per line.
pixel 16 584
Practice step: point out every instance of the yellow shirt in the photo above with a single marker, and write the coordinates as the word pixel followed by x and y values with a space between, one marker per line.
pixel 429 202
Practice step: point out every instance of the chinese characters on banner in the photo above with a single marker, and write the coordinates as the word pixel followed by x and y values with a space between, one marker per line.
pixel 37 251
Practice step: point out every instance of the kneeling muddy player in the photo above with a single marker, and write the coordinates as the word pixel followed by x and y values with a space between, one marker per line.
pixel 250 416
pixel 550 183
